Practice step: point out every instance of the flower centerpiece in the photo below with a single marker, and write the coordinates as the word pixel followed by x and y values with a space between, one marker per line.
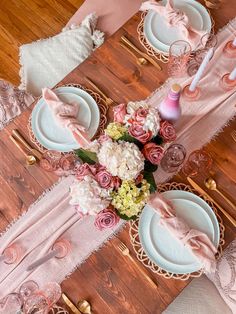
pixel 115 177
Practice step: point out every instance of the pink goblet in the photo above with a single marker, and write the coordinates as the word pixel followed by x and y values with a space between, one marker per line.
pixel 173 158
pixel 50 161
pixel 11 304
pixel 36 303
pixel 52 291
pixel 27 288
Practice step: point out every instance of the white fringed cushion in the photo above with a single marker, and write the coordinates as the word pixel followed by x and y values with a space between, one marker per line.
pixel 46 62
pixel 199 297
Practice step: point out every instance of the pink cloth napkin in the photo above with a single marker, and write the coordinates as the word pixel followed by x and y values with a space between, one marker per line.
pixel 175 18
pixel 66 115
pixel 197 241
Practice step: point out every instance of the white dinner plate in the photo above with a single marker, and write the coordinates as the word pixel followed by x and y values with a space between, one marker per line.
pixel 160 36
pixel 162 247
pixel 53 136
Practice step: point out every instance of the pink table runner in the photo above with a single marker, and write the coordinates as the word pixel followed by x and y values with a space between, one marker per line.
pixel 52 216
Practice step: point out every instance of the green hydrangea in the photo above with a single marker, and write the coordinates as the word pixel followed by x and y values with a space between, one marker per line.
pixel 115 130
pixel 129 200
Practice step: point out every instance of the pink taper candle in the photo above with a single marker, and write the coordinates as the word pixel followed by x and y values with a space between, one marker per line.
pixel 232 75
pixel 170 108
pixel 234 42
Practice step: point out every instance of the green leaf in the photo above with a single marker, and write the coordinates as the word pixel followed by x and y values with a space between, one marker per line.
pixel 87 156
pixel 150 179
pixel 124 217
pixel 157 140
pixel 149 167
pixel 128 138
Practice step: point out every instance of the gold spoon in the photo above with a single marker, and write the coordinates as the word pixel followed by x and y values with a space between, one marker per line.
pixel 210 183
pixel 30 159
pixel 140 61
pixel 84 307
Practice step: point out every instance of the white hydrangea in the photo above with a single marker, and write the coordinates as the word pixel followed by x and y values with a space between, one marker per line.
pixel 89 196
pixel 152 122
pixel 121 159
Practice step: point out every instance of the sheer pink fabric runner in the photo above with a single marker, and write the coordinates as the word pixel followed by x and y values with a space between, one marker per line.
pixel 53 217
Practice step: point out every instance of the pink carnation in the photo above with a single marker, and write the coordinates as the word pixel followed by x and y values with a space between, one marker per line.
pixel 107 218
pixel 119 113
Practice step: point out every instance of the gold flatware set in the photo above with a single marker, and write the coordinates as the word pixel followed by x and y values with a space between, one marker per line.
pixel 31 154
pixel 83 306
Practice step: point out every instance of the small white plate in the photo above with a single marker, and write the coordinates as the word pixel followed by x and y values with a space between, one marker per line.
pixel 160 36
pixel 50 134
pixel 162 247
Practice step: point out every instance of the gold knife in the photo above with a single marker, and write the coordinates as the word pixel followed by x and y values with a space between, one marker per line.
pixel 201 191
pixel 143 54
pixel 71 305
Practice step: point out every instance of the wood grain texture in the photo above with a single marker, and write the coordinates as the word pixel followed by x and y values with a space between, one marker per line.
pixel 25 21
pixel 107 279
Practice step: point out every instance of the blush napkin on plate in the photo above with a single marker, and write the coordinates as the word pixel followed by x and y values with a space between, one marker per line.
pixel 66 115
pixel 197 241
pixel 175 18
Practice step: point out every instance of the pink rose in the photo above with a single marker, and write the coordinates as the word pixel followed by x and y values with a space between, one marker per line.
pixel 103 138
pixel 107 218
pixel 104 179
pixel 140 115
pixel 137 131
pixel 67 162
pixel 119 113
pixel 153 153
pixel 167 131
pixel 116 183
pixel 82 170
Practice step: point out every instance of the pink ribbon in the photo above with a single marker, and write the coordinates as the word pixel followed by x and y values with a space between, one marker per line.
pixel 66 115
pixel 175 18
pixel 197 241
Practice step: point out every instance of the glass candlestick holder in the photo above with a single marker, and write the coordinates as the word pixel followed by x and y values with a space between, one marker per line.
pixel 226 83
pixel 229 50
pixel 191 95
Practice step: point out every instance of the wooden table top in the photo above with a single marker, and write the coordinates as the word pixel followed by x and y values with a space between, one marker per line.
pixel 107 279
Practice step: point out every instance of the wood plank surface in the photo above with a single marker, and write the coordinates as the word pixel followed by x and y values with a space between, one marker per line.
pixel 107 279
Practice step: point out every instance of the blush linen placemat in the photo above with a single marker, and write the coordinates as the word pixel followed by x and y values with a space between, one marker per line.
pixel 52 216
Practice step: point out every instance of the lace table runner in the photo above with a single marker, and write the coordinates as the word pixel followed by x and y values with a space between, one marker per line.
pixel 52 216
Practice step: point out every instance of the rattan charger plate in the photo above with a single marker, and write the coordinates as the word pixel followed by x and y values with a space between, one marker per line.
pixel 102 108
pixel 142 256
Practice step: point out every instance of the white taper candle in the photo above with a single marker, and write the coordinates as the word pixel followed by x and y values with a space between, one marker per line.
pixel 234 42
pixel 232 75
pixel 201 69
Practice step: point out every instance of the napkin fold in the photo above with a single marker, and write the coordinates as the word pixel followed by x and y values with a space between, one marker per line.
pixel 197 241
pixel 66 115
pixel 175 18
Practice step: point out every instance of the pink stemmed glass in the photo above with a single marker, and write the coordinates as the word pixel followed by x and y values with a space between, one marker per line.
pixel 207 41
pixel 198 161
pixel 50 160
pixel 12 254
pixel 11 304
pixel 27 288
pixel 179 55
pixel 42 300
pixel 173 158
pixel 60 249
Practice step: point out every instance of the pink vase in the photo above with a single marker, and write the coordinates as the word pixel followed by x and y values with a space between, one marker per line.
pixel 170 109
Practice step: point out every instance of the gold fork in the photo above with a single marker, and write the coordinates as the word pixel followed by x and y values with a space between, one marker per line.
pixel 125 251
pixel 108 100
pixel 233 135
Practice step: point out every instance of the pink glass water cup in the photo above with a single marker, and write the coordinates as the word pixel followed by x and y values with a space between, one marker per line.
pixel 11 304
pixel 179 55
pixel 199 161
pixel 27 288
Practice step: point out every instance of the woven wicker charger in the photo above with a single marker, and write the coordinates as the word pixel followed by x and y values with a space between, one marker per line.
pixel 159 55
pixel 102 108
pixel 142 256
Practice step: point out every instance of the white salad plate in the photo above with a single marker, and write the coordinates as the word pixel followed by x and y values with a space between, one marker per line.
pixel 160 36
pixel 162 247
pixel 51 134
